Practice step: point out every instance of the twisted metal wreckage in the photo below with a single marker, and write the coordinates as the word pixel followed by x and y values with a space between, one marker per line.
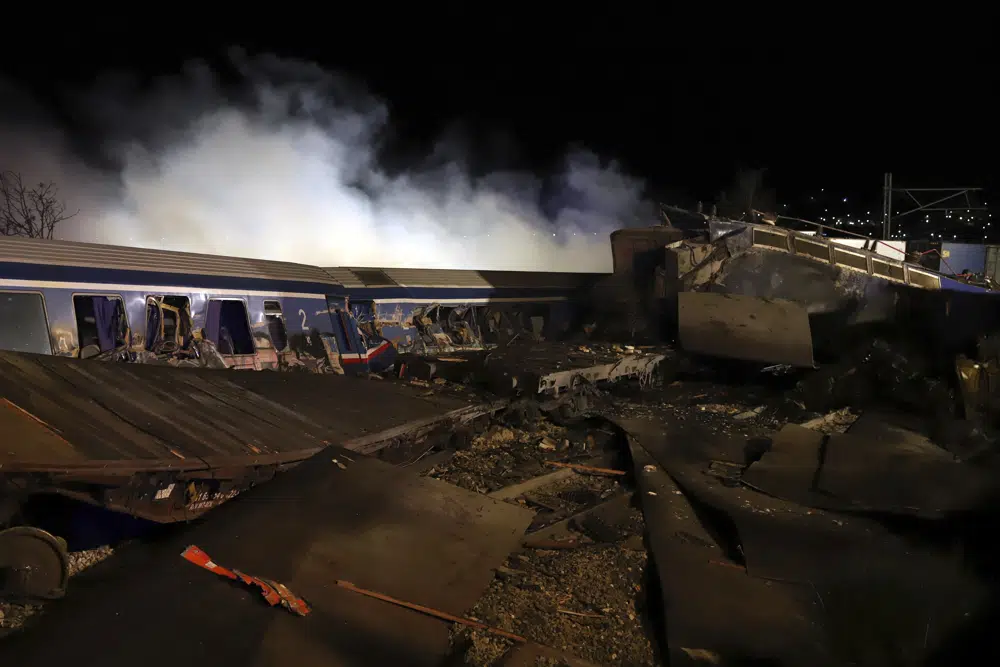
pixel 169 446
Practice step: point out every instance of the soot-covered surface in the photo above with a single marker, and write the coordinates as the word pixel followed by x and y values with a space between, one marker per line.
pixel 377 526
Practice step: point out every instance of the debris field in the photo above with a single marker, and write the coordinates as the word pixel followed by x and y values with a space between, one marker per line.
pixel 653 522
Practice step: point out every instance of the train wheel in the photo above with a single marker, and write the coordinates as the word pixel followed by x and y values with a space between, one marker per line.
pixel 33 564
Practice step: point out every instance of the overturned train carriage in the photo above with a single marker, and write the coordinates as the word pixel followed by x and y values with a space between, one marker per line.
pixel 429 311
pixel 134 304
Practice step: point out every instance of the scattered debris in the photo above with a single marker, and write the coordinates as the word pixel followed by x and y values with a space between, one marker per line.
pixel 837 421
pixel 582 468
pixel 82 560
pixel 749 414
pixel 588 602
pixel 436 613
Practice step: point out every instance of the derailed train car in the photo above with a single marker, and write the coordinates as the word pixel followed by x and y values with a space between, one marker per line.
pixel 133 304
pixel 86 300
pixel 429 311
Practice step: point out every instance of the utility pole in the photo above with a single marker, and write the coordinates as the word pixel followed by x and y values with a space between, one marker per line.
pixel 886 206
pixel 940 202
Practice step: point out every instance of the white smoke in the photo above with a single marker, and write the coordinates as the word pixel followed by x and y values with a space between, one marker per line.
pixel 289 170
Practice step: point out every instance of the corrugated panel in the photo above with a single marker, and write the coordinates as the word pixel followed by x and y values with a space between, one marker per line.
pixel 343 276
pixel 539 279
pixel 463 278
pixel 438 278
pixel 957 257
pixel 373 277
pixel 70 253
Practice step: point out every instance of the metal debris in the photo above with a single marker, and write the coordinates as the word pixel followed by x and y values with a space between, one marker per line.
pixel 274 593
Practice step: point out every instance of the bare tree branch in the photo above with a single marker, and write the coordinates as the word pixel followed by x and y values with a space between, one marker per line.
pixel 26 211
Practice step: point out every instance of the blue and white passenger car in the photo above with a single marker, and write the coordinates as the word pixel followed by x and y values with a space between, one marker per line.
pixel 84 300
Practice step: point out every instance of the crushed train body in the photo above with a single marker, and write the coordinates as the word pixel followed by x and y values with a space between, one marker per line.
pixel 140 305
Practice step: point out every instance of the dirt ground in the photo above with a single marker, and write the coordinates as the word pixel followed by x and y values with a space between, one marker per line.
pixel 590 601
pixel 587 598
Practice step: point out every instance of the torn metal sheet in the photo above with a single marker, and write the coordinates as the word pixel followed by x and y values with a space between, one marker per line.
pixel 793 584
pixel 551 369
pixel 770 331
pixel 711 607
pixel 379 526
pixel 167 444
pixel 885 470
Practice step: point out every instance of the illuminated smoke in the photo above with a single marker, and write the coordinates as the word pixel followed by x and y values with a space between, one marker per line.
pixel 287 169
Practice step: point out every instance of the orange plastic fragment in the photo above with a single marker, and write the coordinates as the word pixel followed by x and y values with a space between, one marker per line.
pixel 272 591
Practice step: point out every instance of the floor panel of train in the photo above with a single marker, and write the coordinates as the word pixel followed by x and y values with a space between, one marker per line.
pixel 65 414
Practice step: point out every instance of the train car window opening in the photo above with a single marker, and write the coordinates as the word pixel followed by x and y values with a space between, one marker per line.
pixel 276 325
pixel 176 317
pixel 228 327
pixel 101 323
pixel 168 321
pixel 23 325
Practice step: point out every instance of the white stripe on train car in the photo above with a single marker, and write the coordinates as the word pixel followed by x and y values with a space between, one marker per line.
pixel 150 289
pixel 473 300
pixel 161 289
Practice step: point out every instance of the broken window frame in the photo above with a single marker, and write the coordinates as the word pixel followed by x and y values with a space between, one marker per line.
pixel 246 314
pixel 158 300
pixel 279 318
pixel 45 316
pixel 76 320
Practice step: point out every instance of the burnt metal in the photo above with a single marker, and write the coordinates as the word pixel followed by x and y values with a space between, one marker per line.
pixel 169 444
pixel 33 564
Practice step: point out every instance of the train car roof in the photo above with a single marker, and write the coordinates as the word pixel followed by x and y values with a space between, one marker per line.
pixel 93 255
pixel 458 278
pixel 51 252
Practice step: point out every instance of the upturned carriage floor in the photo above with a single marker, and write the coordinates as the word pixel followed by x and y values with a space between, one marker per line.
pixel 71 415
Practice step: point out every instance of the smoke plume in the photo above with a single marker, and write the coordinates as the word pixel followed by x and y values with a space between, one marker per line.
pixel 286 166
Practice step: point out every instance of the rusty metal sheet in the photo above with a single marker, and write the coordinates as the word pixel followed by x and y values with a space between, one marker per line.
pixel 378 526
pixel 71 414
pixel 771 331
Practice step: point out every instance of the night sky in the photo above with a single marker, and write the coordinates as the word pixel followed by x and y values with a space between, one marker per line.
pixel 684 120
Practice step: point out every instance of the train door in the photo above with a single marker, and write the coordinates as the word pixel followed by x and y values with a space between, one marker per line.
pixel 353 351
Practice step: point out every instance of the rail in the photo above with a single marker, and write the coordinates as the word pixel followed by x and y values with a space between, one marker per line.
pixel 827 250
